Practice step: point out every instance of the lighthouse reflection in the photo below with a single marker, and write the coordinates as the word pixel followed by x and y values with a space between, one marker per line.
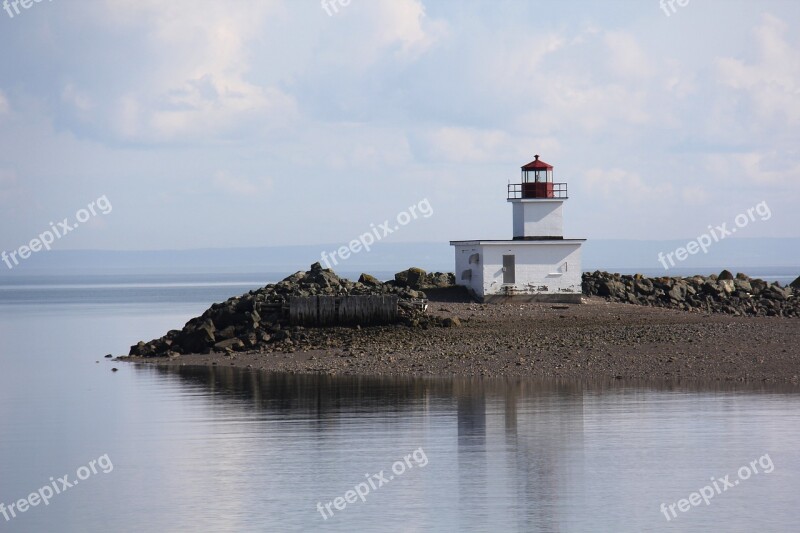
pixel 538 429
pixel 503 443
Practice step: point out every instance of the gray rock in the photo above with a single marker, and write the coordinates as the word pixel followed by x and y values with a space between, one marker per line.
pixel 230 344
pixel 412 278
pixel 742 285
pixel 725 275
pixel 451 322
pixel 371 281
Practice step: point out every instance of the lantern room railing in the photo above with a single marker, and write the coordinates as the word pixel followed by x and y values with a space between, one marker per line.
pixel 518 191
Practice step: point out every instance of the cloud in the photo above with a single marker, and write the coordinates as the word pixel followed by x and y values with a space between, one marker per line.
pixel 472 145
pixel 622 186
pixel 241 186
pixel 9 186
pixel 772 83
pixel 577 79
pixel 754 167
pixel 4 105
pixel 78 100
pixel 195 84
pixel 626 57
pixel 405 22
pixel 694 195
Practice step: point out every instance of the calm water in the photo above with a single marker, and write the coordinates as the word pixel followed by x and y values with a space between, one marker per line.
pixel 225 450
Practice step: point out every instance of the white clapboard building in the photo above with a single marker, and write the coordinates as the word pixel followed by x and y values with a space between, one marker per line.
pixel 538 264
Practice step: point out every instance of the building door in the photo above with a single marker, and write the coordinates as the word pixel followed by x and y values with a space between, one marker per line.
pixel 509 274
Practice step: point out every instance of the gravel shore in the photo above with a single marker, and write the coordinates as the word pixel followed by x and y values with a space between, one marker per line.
pixel 598 339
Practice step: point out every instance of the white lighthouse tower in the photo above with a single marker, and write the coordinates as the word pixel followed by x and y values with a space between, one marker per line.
pixel 538 264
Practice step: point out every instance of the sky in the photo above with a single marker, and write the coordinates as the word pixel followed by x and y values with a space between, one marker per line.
pixel 205 124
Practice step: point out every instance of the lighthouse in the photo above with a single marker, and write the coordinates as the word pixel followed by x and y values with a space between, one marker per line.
pixel 538 264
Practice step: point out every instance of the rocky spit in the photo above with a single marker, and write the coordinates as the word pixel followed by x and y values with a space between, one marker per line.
pixel 257 321
pixel 725 337
pixel 725 293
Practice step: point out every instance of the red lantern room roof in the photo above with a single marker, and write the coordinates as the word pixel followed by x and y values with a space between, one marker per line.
pixel 537 165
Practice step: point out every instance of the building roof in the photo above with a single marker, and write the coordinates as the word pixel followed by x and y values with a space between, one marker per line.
pixel 517 242
pixel 537 165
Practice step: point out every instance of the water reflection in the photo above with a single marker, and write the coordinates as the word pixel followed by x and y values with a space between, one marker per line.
pixel 323 393
pixel 518 454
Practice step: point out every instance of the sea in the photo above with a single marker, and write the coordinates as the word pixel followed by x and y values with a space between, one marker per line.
pixel 84 448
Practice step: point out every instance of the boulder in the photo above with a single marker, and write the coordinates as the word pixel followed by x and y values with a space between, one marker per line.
pixel 775 292
pixel 758 285
pixel 230 344
pixel 725 275
pixel 199 339
pixel 678 292
pixel 611 288
pixel 727 285
pixel 439 280
pixel 371 281
pixel 643 286
pixel 412 278
pixel 742 285
pixel 795 284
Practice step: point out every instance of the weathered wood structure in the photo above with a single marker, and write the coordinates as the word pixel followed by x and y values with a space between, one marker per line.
pixel 343 310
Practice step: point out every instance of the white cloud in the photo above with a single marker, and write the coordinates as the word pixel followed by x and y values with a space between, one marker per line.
pixel 405 22
pixel 763 168
pixel 472 145
pixel 773 83
pixel 241 186
pixel 694 195
pixel 4 105
pixel 626 57
pixel 376 33
pixel 622 186
pixel 196 84
pixel 575 79
pixel 75 98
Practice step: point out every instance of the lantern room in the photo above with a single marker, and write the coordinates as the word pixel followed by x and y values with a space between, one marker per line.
pixel 537 182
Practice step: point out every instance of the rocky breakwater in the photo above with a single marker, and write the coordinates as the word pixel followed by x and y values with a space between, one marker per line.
pixel 737 295
pixel 257 321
